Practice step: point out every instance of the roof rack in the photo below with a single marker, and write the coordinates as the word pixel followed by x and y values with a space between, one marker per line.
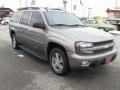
pixel 57 9
pixel 37 8
pixel 29 8
pixel 53 9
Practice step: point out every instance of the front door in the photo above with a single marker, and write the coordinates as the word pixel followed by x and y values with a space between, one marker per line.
pixel 37 36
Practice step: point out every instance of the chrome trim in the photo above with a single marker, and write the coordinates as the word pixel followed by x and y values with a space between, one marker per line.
pixel 98 47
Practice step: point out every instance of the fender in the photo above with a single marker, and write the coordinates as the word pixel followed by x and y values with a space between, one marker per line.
pixel 61 42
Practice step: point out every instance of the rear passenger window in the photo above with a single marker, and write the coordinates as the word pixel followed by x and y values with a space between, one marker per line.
pixel 36 18
pixel 25 18
pixel 16 17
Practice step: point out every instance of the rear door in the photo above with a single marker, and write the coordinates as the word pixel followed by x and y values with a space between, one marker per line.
pixel 14 25
pixel 23 28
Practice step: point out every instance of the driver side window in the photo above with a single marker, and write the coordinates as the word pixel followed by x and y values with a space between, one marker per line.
pixel 36 18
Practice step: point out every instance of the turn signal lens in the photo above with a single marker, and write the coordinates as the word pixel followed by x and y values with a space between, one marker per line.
pixel 77 47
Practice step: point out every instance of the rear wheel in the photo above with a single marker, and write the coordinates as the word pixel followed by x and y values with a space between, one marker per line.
pixel 14 42
pixel 58 61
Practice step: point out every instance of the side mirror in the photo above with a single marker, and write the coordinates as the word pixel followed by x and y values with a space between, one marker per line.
pixel 39 25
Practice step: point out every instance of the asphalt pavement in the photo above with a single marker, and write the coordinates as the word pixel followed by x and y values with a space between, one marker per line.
pixel 20 70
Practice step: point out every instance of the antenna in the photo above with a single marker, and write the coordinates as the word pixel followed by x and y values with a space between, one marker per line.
pixel 116 6
pixel 26 3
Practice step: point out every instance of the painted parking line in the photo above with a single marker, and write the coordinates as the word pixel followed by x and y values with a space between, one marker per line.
pixel 21 56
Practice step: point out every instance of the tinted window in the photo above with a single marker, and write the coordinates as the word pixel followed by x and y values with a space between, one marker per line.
pixel 25 18
pixel 16 17
pixel 89 22
pixel 36 18
pixel 61 18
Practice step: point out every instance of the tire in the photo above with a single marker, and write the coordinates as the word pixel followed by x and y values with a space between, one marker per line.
pixel 58 61
pixel 6 23
pixel 14 42
pixel 102 29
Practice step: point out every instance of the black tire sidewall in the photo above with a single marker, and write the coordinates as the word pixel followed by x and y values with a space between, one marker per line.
pixel 14 36
pixel 65 68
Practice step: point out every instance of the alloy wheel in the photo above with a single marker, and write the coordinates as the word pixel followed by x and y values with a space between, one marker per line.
pixel 57 62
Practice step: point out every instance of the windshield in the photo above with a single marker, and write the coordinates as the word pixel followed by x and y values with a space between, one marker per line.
pixel 59 18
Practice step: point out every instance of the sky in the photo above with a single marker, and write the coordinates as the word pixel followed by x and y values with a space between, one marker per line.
pixel 98 6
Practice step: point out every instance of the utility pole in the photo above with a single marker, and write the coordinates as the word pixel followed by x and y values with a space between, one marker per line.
pixel 33 3
pixel 83 6
pixel 71 5
pixel 116 6
pixel 20 3
pixel 65 3
pixel 89 12
pixel 26 3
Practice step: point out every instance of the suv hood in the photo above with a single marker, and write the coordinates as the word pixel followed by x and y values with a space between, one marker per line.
pixel 86 34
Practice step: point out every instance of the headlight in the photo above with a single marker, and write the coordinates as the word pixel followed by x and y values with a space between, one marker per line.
pixel 79 45
pixel 86 45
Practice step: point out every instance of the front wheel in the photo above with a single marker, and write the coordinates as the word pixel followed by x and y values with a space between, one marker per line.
pixel 103 29
pixel 14 42
pixel 58 61
pixel 6 23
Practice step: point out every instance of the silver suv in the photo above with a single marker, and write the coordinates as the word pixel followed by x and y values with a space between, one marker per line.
pixel 60 38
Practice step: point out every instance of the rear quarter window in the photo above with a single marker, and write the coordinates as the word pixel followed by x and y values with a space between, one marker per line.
pixel 16 17
pixel 25 17
pixel 36 18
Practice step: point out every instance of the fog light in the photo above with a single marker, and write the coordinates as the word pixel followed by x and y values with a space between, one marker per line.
pixel 85 63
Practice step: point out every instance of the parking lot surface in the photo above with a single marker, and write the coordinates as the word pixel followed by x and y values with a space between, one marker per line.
pixel 20 70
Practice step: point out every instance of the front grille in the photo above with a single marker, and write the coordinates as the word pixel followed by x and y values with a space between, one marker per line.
pixel 102 43
pixel 107 46
pixel 103 50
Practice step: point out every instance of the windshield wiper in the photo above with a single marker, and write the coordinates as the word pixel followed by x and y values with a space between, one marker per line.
pixel 76 25
pixel 59 25
pixel 66 25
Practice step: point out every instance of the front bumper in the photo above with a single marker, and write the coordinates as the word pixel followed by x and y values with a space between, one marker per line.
pixel 76 61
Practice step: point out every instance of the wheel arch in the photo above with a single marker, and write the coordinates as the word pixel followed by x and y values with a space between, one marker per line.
pixel 52 45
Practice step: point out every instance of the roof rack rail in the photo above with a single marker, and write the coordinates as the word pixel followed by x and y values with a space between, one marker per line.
pixel 27 8
pixel 53 9
pixel 57 9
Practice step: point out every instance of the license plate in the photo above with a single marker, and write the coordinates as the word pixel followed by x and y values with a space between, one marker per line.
pixel 108 59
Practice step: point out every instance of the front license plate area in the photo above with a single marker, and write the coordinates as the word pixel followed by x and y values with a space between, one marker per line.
pixel 108 59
